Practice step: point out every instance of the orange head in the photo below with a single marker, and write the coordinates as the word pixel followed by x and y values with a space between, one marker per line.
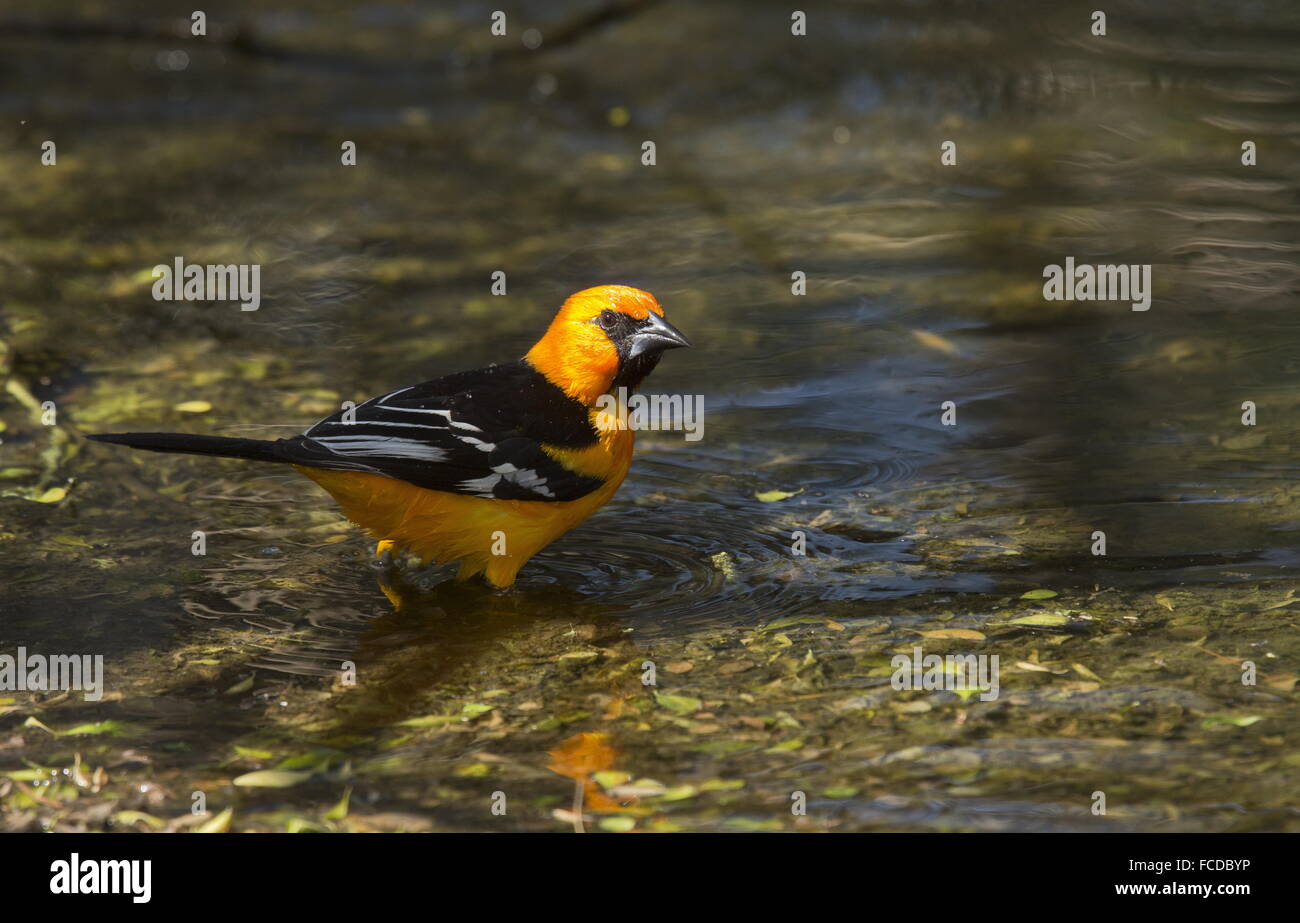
pixel 604 338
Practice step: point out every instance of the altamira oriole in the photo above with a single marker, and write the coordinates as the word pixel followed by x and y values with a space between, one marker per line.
pixel 485 467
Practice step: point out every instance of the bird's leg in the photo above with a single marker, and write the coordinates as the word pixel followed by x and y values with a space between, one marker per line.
pixel 384 555
pixel 392 579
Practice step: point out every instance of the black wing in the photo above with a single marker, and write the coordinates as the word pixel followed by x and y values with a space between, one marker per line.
pixel 478 433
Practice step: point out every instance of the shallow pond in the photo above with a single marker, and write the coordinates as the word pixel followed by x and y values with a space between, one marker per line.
pixel 772 706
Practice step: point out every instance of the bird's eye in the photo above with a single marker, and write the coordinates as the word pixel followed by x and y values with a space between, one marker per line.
pixel 607 319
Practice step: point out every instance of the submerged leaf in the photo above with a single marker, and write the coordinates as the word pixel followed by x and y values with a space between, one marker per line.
pixel 241 686
pixel 581 755
pixel 129 818
pixel 340 810
pixel 53 495
pixel 619 823
pixel 272 778
pixel 1041 619
pixel 959 634
pixel 111 728
pixel 218 824
pixel 1242 721
pixel 772 496
pixel 679 704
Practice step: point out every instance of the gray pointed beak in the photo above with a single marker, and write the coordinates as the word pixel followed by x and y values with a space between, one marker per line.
pixel 656 336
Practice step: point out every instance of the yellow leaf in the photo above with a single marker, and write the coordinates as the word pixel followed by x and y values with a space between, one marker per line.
pixel 193 407
pixel 609 778
pixel 620 823
pixel 340 810
pixel 129 818
pixel 33 722
pixel 1033 667
pixel 934 341
pixel 1084 671
pixel 962 634
pixel 1041 619
pixel 772 496
pixel 218 824
pixel 272 778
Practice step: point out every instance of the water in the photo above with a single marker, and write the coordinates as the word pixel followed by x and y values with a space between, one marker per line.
pixel 775 154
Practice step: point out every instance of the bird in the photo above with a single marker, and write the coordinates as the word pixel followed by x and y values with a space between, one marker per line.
pixel 485 467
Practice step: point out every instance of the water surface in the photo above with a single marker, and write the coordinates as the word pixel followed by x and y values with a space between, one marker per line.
pixel 775 155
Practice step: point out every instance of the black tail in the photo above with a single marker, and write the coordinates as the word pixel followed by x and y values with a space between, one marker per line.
pixel 253 449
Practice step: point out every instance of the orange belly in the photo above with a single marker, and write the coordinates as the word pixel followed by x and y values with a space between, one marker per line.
pixel 492 537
